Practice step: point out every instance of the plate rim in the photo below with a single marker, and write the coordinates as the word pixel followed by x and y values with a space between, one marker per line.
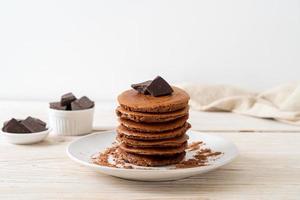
pixel 192 169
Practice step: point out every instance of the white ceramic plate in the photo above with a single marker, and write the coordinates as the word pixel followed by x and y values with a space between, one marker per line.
pixel 83 148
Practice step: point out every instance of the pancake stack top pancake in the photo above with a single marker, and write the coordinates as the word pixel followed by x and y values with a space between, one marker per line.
pixel 153 124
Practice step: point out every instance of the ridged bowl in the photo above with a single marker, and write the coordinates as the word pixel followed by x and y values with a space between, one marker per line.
pixel 71 123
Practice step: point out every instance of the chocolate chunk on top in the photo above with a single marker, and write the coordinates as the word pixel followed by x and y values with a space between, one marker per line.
pixel 34 125
pixel 14 126
pixel 82 103
pixel 157 87
pixel 141 87
pixel 67 99
pixel 57 106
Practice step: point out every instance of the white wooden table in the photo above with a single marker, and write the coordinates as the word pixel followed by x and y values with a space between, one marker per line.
pixel 268 166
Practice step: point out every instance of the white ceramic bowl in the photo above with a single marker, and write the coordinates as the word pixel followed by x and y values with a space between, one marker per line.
pixel 71 123
pixel 25 138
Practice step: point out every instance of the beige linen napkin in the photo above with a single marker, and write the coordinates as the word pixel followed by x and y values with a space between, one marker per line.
pixel 281 103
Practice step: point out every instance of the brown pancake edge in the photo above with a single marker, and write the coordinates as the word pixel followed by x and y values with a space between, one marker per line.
pixel 154 150
pixel 151 117
pixel 150 161
pixel 173 142
pixel 152 136
pixel 153 127
pixel 134 101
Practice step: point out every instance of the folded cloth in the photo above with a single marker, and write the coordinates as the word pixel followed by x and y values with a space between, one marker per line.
pixel 281 103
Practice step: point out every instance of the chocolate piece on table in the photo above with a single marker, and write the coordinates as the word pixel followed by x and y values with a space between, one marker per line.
pixel 82 103
pixel 14 126
pixel 33 125
pixel 159 87
pixel 67 99
pixel 141 87
pixel 57 106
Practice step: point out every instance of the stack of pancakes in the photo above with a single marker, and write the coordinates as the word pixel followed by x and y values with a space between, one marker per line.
pixel 152 130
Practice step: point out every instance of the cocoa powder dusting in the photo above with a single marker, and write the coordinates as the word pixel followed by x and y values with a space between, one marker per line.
pixel 194 146
pixel 200 157
pixel 111 152
pixel 102 158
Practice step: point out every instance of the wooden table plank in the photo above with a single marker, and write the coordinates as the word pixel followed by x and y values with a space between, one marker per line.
pixel 268 168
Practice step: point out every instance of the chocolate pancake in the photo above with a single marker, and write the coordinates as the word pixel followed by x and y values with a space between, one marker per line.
pixel 173 142
pixel 154 127
pixel 150 117
pixel 154 150
pixel 151 161
pixel 135 101
pixel 152 136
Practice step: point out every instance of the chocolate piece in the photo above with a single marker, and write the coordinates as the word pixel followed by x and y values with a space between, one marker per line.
pixel 57 106
pixel 82 103
pixel 141 87
pixel 159 87
pixel 70 102
pixel 39 121
pixel 14 126
pixel 69 107
pixel 75 105
pixel 67 99
pixel 33 125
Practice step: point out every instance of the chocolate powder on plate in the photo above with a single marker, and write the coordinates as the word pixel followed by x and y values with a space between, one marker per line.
pixel 200 157
pixel 194 146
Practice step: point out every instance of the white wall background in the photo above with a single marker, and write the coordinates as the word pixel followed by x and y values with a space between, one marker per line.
pixel 99 48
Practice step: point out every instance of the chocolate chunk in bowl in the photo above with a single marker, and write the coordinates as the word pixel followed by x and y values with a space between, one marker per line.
pixel 39 121
pixel 67 99
pixel 28 131
pixel 14 126
pixel 57 106
pixel 34 125
pixel 82 103
pixel 29 125
pixel 69 102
